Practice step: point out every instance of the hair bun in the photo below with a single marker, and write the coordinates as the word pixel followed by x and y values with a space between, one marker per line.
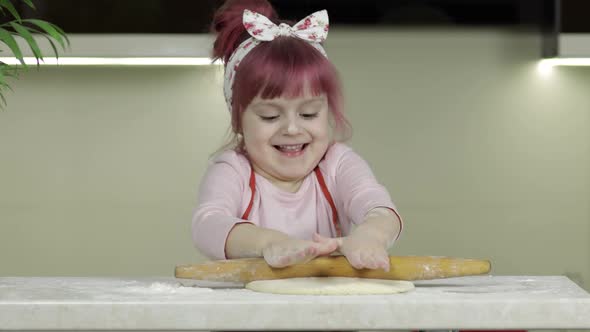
pixel 227 24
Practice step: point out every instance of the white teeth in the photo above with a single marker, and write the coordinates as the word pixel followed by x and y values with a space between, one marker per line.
pixel 290 148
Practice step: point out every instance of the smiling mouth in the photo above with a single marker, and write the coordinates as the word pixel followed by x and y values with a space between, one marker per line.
pixel 291 148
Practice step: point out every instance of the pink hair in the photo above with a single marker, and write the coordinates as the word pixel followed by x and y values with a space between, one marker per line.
pixel 282 67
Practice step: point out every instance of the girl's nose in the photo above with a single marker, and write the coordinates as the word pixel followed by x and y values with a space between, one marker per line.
pixel 292 127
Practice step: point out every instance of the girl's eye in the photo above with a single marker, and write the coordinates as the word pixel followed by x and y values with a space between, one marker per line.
pixel 309 115
pixel 269 118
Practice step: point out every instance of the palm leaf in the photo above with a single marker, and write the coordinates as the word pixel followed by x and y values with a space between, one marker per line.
pixel 7 71
pixel 52 45
pixel 49 39
pixel 2 78
pixel 30 4
pixel 25 29
pixel 4 72
pixel 3 99
pixel 52 30
pixel 6 38
pixel 10 72
pixel 4 85
pixel 10 7
pixel 28 37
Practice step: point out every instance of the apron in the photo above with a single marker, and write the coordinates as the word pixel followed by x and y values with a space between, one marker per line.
pixel 323 186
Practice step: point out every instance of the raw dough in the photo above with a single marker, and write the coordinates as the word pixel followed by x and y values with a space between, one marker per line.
pixel 330 286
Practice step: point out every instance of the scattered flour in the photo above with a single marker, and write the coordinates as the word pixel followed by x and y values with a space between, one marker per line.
pixel 166 288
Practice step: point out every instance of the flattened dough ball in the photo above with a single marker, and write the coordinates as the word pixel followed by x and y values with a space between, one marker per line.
pixel 330 286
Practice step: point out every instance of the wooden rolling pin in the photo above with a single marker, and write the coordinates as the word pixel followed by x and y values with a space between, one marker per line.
pixel 402 268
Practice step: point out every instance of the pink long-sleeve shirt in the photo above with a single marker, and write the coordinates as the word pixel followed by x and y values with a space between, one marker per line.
pixel 225 194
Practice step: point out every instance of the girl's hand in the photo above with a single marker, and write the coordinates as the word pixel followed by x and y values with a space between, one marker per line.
pixel 293 251
pixel 361 251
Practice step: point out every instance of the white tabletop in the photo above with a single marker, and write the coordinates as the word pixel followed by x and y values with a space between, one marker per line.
pixel 484 302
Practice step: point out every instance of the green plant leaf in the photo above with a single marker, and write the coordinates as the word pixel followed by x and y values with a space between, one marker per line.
pixel 8 70
pixel 6 38
pixel 3 100
pixel 48 37
pixel 11 73
pixel 53 30
pixel 26 30
pixel 30 4
pixel 3 85
pixel 8 5
pixel 2 69
pixel 28 37
pixel 60 30
pixel 52 45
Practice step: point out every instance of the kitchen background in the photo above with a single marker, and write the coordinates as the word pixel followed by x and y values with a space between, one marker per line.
pixel 484 155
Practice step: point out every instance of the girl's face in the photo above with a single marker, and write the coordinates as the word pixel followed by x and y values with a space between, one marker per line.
pixel 286 138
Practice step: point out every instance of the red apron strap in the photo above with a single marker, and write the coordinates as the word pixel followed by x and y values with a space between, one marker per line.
pixel 323 186
pixel 252 191
pixel 326 192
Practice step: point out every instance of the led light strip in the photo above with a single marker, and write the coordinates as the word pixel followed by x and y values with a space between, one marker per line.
pixel 107 61
pixel 186 61
pixel 565 62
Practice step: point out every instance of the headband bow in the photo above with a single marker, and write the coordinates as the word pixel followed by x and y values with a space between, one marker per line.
pixel 313 29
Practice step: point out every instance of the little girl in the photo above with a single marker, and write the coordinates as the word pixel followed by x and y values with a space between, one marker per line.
pixel 287 190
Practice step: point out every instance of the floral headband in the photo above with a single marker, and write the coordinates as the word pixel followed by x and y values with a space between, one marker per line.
pixel 313 29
